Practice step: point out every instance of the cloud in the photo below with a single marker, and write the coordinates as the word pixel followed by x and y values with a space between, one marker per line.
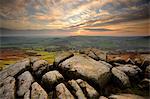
pixel 91 15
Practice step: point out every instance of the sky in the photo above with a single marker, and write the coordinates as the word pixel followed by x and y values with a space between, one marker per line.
pixel 76 17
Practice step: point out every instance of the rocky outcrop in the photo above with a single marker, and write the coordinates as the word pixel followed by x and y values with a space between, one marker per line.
pixel 81 76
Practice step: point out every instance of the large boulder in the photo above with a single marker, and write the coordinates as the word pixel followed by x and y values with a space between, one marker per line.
pixel 77 90
pixel 24 83
pixel 13 70
pixel 126 96
pixel 86 68
pixel 147 72
pixel 120 78
pixel 90 92
pixel 62 92
pixel 52 78
pixel 132 71
pixel 7 88
pixel 38 92
pixel 39 67
pixel 61 56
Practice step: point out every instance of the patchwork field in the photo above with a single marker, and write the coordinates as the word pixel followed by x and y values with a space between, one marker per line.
pixel 11 56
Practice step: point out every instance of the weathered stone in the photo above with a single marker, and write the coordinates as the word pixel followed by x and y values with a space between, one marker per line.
pixel 15 69
pixel 78 92
pixel 132 71
pixel 38 92
pixel 62 92
pixel 120 78
pixel 61 56
pixel 147 72
pixel 125 96
pixel 39 67
pixel 86 68
pixel 7 88
pixel 92 55
pixel 102 97
pixel 24 83
pixel 145 83
pixel 90 92
pixel 27 95
pixel 52 78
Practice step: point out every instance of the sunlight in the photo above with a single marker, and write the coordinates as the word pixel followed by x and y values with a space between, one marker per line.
pixel 79 32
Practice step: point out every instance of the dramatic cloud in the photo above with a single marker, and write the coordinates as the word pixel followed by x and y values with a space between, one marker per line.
pixel 85 16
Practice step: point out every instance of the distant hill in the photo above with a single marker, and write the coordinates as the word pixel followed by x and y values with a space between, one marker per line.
pixel 77 42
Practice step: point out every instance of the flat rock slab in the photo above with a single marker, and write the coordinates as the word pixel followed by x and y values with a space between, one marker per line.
pixel 7 88
pixel 62 92
pixel 15 69
pixel 25 80
pixel 86 68
pixel 38 92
